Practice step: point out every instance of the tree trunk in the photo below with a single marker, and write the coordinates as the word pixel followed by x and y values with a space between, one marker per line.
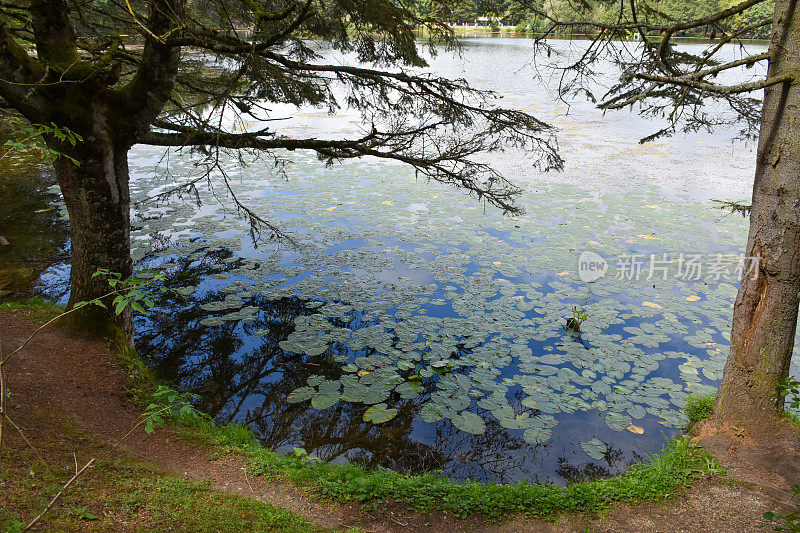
pixel 98 200
pixel 765 313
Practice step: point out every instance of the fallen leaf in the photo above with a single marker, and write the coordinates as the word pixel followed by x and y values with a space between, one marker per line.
pixel 635 429
pixel 692 298
pixel 651 304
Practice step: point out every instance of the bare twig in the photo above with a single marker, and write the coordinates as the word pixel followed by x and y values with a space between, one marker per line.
pixel 82 470
pixel 2 397
pixel 65 313
pixel 58 495
pixel 244 468
pixel 21 434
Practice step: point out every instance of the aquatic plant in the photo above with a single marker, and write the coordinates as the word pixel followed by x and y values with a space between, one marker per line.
pixel 579 316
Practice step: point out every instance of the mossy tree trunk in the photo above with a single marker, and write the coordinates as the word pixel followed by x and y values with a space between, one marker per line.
pixel 97 197
pixel 89 98
pixel 765 313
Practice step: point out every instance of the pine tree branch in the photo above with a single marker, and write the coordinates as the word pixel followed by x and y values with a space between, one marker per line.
pixel 725 90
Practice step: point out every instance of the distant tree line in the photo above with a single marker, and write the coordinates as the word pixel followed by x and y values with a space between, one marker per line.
pixel 514 13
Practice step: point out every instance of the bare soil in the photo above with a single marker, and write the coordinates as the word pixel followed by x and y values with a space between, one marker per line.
pixel 77 382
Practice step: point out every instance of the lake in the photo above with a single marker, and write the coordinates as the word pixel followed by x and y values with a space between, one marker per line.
pixel 410 327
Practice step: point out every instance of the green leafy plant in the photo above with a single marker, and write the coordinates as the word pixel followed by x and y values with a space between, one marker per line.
pixel 135 292
pixel 168 403
pixel 790 389
pixel 579 316
pixel 303 456
pixel 32 137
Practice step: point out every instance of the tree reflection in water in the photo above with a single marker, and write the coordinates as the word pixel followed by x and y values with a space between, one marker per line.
pixel 244 378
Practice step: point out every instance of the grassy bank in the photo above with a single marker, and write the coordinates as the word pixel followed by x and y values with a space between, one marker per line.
pixel 665 473
pixel 118 493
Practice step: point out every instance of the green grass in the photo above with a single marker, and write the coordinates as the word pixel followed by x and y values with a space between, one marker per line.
pixel 659 478
pixel 120 491
pixel 39 309
pixel 150 500
pixel 698 408
pixel 675 467
pixel 198 507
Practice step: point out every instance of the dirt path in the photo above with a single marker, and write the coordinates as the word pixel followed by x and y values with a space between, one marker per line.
pixel 79 379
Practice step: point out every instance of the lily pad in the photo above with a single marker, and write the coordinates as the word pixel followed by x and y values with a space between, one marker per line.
pixel 300 395
pixel 536 436
pixel 469 422
pixel 595 448
pixel 379 413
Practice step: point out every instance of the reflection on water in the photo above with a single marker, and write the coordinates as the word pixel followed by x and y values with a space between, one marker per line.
pixel 242 374
pixel 456 326
pixel 30 221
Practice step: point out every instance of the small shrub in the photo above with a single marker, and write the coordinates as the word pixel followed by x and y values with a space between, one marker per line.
pixel 169 403
pixel 698 407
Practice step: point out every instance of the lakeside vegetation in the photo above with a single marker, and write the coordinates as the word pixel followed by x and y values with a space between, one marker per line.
pixel 491 15
pixel 680 463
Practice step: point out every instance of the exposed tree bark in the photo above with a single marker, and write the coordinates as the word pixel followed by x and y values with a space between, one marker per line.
pixel 765 313
pixel 98 200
